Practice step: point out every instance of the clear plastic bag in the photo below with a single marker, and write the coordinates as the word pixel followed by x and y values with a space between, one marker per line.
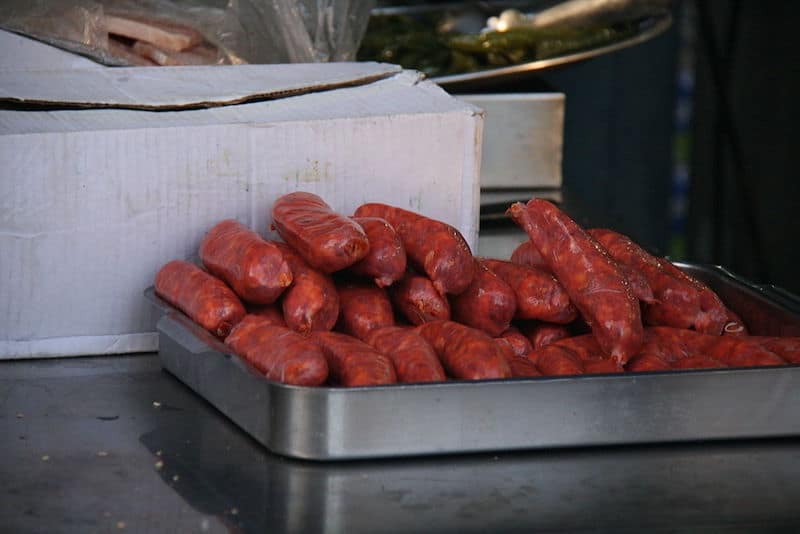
pixel 190 32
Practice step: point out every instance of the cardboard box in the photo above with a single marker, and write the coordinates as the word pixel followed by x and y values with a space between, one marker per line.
pixel 523 141
pixel 107 173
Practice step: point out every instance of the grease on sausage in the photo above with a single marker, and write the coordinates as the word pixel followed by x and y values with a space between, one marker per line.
pixel 255 269
pixel 279 353
pixel 326 240
pixel 432 246
pixel 202 297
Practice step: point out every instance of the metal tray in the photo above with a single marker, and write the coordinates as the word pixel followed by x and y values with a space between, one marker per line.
pixel 328 423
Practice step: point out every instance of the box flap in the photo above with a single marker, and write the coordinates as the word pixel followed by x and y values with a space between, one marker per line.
pixel 155 88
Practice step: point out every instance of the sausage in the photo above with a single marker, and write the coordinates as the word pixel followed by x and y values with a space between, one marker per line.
pixel 522 367
pixel 413 358
pixel 418 301
pixel 698 362
pixel 279 353
pixel 270 314
pixel 255 269
pixel 585 347
pixel 386 259
pixel 204 299
pixel 741 352
pixel 553 360
pixel 680 300
pixel 432 246
pixel 311 303
pixel 542 334
pixel 591 278
pixel 488 303
pixel 734 326
pixel 527 254
pixel 352 362
pixel 363 307
pixel 538 294
pixel 326 240
pixel 673 344
pixel 646 362
pixel 516 341
pixel 787 348
pixel 465 353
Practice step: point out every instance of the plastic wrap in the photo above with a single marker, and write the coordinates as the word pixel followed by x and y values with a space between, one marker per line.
pixel 191 32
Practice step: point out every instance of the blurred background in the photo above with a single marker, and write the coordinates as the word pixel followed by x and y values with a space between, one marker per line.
pixel 686 142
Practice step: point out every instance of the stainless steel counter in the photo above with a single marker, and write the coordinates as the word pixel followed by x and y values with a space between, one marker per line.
pixel 116 444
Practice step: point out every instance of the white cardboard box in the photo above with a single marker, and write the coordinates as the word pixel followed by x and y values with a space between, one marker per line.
pixel 523 139
pixel 93 200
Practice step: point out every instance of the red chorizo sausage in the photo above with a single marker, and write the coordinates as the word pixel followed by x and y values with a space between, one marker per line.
pixel 418 301
pixel 311 303
pixel 680 300
pixel 326 240
pixel 584 346
pixel 698 362
pixel 516 341
pixel 363 307
pixel 553 360
pixel 354 363
pixel 673 344
pixel 413 358
pixel 542 334
pixel 646 362
pixel 787 348
pixel 432 247
pixel 538 294
pixel 487 304
pixel 255 269
pixel 279 353
pixel 270 314
pixel 205 299
pixel 522 367
pixel 527 254
pixel 386 259
pixel 465 353
pixel 591 278
pixel 741 352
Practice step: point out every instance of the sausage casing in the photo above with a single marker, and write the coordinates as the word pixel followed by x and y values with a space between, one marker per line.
pixel 538 294
pixel 417 300
pixel 680 300
pixel 591 278
pixel 413 358
pixel 487 304
pixel 326 240
pixel 255 269
pixel 352 362
pixel 311 303
pixel 527 254
pixel 386 260
pixel 363 307
pixel 542 334
pixel 465 353
pixel 204 298
pixel 279 353
pixel 516 341
pixel 432 246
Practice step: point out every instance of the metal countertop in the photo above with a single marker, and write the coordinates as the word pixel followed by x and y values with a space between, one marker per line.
pixel 115 444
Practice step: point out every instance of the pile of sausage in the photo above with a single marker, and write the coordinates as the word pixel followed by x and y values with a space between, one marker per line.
pixel 389 295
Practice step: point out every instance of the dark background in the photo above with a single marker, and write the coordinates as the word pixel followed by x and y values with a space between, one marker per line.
pixel 743 210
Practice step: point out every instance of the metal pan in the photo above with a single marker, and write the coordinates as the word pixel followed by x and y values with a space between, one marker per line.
pixel 328 423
